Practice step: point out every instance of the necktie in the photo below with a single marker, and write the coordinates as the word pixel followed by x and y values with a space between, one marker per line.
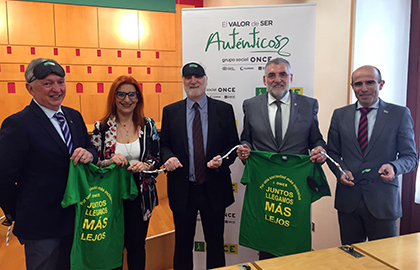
pixel 65 129
pixel 199 158
pixel 278 124
pixel 363 129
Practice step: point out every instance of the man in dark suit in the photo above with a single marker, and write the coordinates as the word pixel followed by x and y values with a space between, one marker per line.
pixel 197 179
pixel 281 121
pixel 34 167
pixel 368 196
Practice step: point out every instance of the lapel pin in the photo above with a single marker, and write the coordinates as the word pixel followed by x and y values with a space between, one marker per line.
pixel 71 121
pixel 385 111
pixel 295 104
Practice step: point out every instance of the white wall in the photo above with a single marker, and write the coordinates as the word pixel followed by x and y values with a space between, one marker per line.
pixel 382 39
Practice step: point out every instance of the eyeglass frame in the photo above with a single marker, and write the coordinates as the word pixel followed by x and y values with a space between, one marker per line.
pixel 134 95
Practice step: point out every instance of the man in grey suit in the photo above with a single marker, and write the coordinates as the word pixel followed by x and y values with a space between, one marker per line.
pixel 280 120
pixel 372 154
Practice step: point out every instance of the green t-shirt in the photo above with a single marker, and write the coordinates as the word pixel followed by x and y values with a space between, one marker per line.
pixel 277 203
pixel 99 226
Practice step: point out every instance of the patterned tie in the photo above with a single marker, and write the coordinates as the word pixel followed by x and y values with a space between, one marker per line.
pixel 198 144
pixel 65 129
pixel 363 129
pixel 278 124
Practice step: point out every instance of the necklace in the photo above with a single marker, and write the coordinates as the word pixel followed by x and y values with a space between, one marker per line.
pixel 126 129
pixel 128 156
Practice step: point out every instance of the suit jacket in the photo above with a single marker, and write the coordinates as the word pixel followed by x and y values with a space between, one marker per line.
pixel 34 167
pixel 222 136
pixel 392 141
pixel 302 132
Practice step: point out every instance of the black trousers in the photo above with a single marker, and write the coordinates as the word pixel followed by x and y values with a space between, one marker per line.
pixel 135 232
pixel 213 222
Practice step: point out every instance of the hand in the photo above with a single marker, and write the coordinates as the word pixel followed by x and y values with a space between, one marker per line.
pixel 172 164
pixel 118 159
pixel 243 151
pixel 215 163
pixel 316 155
pixel 387 172
pixel 81 155
pixel 139 166
pixel 345 181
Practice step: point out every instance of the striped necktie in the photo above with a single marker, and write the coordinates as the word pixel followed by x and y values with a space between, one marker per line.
pixel 198 145
pixel 363 129
pixel 65 129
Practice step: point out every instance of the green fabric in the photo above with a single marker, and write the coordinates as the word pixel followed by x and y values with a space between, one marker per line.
pixel 99 225
pixel 277 203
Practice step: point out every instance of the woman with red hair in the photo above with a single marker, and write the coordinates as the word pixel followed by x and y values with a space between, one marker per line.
pixel 125 136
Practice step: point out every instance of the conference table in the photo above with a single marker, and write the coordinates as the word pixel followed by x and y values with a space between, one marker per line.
pixel 401 252
pixel 331 258
pixel 241 266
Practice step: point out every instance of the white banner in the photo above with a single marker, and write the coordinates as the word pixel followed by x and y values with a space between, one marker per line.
pixel 234 44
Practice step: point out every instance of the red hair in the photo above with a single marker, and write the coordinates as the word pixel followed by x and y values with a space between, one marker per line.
pixel 111 108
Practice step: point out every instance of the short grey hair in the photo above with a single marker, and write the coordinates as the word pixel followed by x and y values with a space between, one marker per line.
pixel 278 61
pixel 29 72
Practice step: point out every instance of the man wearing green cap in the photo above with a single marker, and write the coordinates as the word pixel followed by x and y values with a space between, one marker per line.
pixel 195 133
pixel 37 145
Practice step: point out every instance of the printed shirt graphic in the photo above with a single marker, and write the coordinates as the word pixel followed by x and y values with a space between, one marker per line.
pixel 99 227
pixel 276 210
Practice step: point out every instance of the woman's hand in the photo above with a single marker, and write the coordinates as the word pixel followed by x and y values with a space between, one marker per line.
pixel 139 166
pixel 118 159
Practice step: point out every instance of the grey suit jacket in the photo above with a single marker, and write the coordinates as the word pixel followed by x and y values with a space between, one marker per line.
pixel 392 141
pixel 302 133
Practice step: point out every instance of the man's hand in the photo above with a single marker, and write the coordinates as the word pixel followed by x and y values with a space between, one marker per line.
pixel 387 172
pixel 215 162
pixel 172 164
pixel 316 155
pixel 81 155
pixel 347 181
pixel 243 152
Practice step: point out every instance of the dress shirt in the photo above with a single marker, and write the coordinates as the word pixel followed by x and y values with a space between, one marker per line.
pixel 285 112
pixel 203 108
pixel 50 114
pixel 371 117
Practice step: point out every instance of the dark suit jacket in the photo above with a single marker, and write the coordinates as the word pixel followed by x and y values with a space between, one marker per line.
pixel 302 132
pixel 35 158
pixel 222 136
pixel 392 141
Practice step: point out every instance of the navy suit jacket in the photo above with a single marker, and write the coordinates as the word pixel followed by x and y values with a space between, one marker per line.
pixel 34 167
pixel 392 141
pixel 222 136
pixel 302 132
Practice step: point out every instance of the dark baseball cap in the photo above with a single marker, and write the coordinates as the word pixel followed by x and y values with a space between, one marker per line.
pixel 43 69
pixel 193 69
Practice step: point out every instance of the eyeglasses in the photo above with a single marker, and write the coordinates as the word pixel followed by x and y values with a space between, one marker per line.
pixel 122 95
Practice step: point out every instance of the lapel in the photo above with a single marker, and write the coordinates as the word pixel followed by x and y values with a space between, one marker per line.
pixel 263 107
pixel 294 111
pixel 181 113
pixel 380 122
pixel 349 127
pixel 48 126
